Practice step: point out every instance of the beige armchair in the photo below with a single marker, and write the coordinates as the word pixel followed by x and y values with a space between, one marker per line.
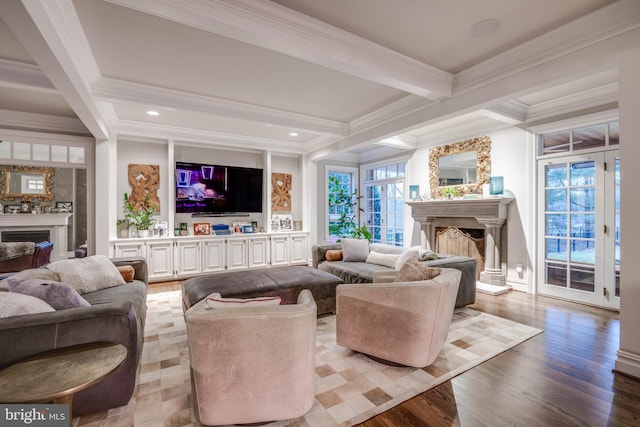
pixel 402 322
pixel 252 364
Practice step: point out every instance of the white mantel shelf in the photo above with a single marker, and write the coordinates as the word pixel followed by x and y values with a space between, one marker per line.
pixel 488 212
pixel 56 223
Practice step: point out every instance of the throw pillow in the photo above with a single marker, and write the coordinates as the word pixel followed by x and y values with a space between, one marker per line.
pixel 355 250
pixel 88 274
pixel 127 272
pixel 411 252
pixel 58 295
pixel 425 255
pixel 414 271
pixel 333 255
pixel 12 304
pixel 387 260
pixel 216 301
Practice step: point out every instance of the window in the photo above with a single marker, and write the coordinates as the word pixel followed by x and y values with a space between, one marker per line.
pixel 589 137
pixel 341 201
pixel 384 191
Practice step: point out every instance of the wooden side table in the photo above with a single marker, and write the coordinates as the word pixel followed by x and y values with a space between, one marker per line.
pixel 57 375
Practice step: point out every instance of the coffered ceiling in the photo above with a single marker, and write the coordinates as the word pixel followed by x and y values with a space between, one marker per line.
pixel 349 79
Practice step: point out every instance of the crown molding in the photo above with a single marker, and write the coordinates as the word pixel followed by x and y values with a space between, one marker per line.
pixel 394 110
pixel 275 27
pixel 114 90
pixel 129 128
pixel 44 122
pixel 610 21
pixel 511 112
pixel 579 101
pixel 22 75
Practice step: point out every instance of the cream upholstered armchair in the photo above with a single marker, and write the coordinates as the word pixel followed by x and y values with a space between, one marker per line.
pixel 252 364
pixel 402 322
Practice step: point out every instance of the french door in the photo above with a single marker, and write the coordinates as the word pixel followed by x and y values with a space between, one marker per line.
pixel 384 212
pixel 579 247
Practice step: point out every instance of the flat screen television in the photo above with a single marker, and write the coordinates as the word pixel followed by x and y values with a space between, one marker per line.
pixel 214 189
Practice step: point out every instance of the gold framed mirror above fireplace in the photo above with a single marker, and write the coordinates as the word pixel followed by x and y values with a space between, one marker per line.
pixel 463 166
pixel 26 183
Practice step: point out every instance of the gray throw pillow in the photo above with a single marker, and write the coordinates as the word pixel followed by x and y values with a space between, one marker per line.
pixel 88 274
pixel 58 295
pixel 355 250
pixel 30 273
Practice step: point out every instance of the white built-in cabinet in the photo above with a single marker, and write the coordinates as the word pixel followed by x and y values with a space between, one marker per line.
pixel 178 257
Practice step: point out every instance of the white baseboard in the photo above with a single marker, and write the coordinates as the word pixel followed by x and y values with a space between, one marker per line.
pixel 628 363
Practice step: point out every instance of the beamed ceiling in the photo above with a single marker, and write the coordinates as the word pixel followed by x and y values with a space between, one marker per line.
pixel 355 79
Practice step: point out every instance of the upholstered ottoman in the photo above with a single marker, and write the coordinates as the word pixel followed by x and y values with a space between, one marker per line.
pixel 286 282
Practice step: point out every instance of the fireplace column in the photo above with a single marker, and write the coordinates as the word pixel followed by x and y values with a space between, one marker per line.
pixel 492 273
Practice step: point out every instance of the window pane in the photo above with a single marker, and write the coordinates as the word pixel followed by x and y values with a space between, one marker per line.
pixel 556 274
pixel 556 249
pixel 391 220
pixel 583 199
pixel 556 225
pixel 556 176
pixel 582 279
pixel 555 143
pixel 614 134
pixel 556 200
pixel 401 167
pixel 583 173
pixel 40 152
pixel 58 153
pixel 583 226
pixel 21 151
pixel 583 251
pixel 381 172
pixel 392 171
pixel 5 150
pixel 590 137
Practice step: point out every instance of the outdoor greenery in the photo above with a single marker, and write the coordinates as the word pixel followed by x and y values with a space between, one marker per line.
pixel 140 219
pixel 343 203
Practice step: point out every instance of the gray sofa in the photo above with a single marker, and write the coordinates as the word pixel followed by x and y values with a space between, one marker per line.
pixel 116 314
pixel 363 272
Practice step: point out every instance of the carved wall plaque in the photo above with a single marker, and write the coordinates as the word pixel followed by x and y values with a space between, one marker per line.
pixel 281 192
pixel 144 181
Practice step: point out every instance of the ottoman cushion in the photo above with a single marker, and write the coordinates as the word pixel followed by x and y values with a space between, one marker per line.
pixel 286 282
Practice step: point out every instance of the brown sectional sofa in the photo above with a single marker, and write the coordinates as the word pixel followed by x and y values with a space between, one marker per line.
pixel 117 314
pixel 363 272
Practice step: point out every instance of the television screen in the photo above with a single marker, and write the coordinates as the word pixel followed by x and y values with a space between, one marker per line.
pixel 202 188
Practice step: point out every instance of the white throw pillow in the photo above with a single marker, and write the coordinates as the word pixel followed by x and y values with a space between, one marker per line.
pixel 407 255
pixel 387 260
pixel 13 304
pixel 88 274
pixel 355 250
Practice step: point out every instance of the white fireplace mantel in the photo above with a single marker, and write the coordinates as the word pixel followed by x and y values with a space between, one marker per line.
pixel 57 224
pixel 490 213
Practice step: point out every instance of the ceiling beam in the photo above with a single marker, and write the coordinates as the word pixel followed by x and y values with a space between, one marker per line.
pixel 275 27
pixel 21 75
pixel 51 32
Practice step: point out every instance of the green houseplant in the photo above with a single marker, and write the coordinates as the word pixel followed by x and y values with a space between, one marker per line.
pixel 346 203
pixel 141 219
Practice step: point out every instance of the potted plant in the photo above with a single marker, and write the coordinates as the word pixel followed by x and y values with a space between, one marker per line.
pixel 141 219
pixel 449 192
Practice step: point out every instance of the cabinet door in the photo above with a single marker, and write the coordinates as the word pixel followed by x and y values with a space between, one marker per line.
pixel 160 260
pixel 299 252
pixel 280 250
pixel 213 255
pixel 237 254
pixel 258 252
pixel 130 249
pixel 189 257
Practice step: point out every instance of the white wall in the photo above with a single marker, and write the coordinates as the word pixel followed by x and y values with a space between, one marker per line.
pixel 512 156
pixel 628 360
pixel 290 165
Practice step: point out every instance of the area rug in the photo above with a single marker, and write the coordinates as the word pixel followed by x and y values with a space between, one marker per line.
pixel 350 387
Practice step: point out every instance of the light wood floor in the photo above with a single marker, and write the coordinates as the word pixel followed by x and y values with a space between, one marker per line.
pixel 562 377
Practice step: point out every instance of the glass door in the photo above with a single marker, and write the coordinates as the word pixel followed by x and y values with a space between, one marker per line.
pixel 384 212
pixel 580 222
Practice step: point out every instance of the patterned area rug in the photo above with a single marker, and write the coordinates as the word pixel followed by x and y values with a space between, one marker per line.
pixel 350 387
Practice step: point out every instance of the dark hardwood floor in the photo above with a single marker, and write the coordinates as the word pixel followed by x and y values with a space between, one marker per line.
pixel 562 377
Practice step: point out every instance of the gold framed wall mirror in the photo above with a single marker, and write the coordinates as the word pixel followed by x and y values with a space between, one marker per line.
pixel 463 166
pixel 26 183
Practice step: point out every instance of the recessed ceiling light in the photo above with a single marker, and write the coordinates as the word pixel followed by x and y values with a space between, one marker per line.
pixel 293 133
pixel 484 28
pixel 153 113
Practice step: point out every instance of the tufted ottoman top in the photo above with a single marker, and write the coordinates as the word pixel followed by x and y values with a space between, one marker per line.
pixel 286 282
